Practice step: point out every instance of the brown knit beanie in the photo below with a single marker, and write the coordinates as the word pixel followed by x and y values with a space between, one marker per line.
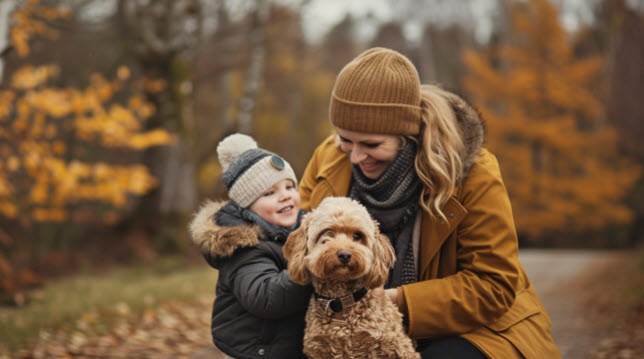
pixel 377 92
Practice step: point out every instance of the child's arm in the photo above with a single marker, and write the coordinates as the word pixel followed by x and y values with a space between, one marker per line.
pixel 262 288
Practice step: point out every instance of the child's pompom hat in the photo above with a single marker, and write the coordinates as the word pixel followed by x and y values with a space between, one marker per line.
pixel 248 171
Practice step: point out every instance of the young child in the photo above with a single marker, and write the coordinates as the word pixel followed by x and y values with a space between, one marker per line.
pixel 258 311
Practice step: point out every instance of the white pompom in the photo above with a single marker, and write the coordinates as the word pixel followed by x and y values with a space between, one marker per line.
pixel 232 146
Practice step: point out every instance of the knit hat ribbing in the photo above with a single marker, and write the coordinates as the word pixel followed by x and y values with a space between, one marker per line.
pixel 248 171
pixel 377 92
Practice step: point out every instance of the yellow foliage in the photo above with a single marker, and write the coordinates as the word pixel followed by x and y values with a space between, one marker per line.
pixel 28 76
pixel 560 175
pixel 208 174
pixel 140 181
pixel 51 131
pixel 49 214
pixel 152 138
pixel 39 193
pixel 123 73
pixel 25 24
pixel 5 150
pixel 5 188
pixel 135 102
pixel 59 147
pixel 8 209
pixel 146 111
pixel 46 129
pixel 154 85
pixel 6 99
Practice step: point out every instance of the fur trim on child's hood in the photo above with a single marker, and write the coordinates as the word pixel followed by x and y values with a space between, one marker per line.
pixel 218 241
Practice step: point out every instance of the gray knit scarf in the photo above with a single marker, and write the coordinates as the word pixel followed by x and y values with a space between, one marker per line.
pixel 392 200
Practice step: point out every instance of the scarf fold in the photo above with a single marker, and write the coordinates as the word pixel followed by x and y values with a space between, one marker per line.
pixel 392 200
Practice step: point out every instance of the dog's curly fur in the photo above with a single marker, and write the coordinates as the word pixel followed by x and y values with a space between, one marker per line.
pixel 372 328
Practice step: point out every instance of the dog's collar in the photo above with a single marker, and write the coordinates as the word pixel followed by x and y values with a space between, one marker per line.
pixel 338 304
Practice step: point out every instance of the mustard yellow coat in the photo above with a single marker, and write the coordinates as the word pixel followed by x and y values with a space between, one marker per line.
pixel 471 282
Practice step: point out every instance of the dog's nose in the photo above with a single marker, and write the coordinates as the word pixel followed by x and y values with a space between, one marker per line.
pixel 344 256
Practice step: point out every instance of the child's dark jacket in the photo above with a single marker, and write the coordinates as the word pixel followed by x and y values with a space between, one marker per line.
pixel 258 310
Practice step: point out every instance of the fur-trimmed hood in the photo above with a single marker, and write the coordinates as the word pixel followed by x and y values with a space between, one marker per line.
pixel 472 129
pixel 218 242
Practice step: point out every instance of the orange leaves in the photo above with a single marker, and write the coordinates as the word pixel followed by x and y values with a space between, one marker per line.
pixel 6 99
pixel 119 127
pixel 27 23
pixel 154 85
pixel 29 77
pixel 123 73
pixel 560 161
pixel 57 184
pixel 152 138
pixel 56 140
pixel 8 209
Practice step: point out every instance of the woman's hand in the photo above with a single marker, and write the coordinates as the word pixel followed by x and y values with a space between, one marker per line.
pixel 392 294
pixel 397 297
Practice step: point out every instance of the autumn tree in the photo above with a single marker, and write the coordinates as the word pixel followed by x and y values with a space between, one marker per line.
pixel 338 46
pixel 291 118
pixel 291 106
pixel 391 35
pixel 66 153
pixel 439 55
pixel 546 125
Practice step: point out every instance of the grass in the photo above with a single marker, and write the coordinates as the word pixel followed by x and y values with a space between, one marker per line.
pixel 119 291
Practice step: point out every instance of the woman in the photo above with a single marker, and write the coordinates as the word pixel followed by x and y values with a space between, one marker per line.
pixel 413 155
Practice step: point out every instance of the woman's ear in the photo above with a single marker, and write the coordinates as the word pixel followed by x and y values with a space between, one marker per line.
pixel 294 251
pixel 384 259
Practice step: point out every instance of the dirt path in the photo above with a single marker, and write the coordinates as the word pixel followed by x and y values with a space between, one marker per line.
pixel 568 284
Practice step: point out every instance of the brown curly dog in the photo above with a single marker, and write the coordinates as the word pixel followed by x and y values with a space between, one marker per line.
pixel 339 249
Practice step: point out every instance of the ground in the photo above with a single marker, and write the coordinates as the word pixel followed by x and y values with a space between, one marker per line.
pixel 594 300
pixel 596 310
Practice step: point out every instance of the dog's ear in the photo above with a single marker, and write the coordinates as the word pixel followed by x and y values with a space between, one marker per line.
pixel 384 258
pixel 294 251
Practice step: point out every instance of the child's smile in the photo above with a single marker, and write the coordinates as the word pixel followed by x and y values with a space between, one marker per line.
pixel 279 205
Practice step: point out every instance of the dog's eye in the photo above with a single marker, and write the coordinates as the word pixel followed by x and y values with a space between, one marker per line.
pixel 325 233
pixel 358 236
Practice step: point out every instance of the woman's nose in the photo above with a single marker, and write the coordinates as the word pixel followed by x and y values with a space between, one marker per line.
pixel 357 155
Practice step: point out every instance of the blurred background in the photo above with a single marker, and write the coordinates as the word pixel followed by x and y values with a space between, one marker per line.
pixel 111 111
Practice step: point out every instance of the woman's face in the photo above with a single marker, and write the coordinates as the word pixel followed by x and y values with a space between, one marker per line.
pixel 371 152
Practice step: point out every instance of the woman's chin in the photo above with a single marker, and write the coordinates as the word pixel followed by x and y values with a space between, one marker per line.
pixel 372 172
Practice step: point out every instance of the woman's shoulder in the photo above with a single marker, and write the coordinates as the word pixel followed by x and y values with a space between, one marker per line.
pixel 328 157
pixel 483 179
pixel 328 148
pixel 485 163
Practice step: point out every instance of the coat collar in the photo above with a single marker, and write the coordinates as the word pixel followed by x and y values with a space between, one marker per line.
pixel 218 241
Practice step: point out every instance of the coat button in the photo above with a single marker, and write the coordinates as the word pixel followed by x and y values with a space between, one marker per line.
pixel 451 215
pixel 261 352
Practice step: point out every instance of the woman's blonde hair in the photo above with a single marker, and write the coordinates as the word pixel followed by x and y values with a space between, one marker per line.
pixel 440 146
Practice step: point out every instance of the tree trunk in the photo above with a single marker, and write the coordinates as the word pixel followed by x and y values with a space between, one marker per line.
pixel 166 37
pixel 255 72
pixel 6 7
